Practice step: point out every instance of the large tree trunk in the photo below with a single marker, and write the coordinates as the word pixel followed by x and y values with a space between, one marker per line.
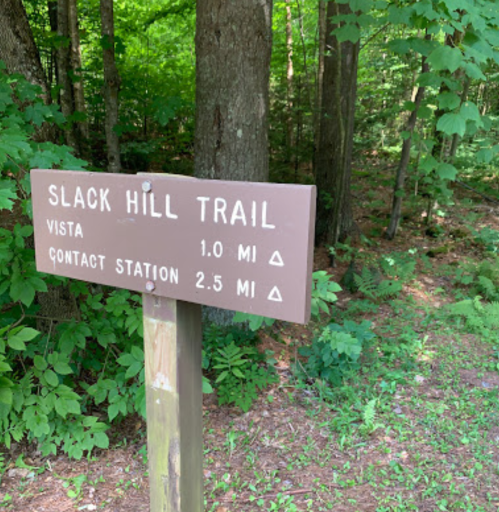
pixel 112 82
pixel 233 48
pixel 334 156
pixel 17 46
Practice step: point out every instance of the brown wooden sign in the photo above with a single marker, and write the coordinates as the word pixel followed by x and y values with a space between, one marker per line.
pixel 240 246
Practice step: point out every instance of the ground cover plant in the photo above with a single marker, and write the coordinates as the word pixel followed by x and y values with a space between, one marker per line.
pixel 387 401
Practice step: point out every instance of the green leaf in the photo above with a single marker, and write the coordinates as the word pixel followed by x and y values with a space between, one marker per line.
pixel 51 378
pixel 27 334
pixel 446 171
pixel 133 369
pixel 126 359
pixel 448 100
pixel 221 377
pixel 207 387
pixel 16 343
pixel 469 111
pixel 445 58
pixel 6 396
pixel 62 368
pixel 113 411
pixel 101 440
pixel 399 46
pixel 238 373
pixel 21 289
pixel 473 71
pixel 424 113
pixel 451 124
pixel 7 198
pixel 347 32
pixel 137 353
pixel 484 156
pixel 40 363
pixel 429 80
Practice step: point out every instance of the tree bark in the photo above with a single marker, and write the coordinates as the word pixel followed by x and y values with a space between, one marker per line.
pixel 289 82
pixel 112 82
pixel 78 89
pixel 319 79
pixel 52 66
pixel 334 157
pixel 233 49
pixel 17 46
pixel 398 188
pixel 66 97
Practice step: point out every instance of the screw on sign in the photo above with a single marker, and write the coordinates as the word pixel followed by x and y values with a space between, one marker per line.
pixel 185 242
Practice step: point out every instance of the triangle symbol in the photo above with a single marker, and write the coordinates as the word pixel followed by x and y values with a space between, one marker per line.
pixel 275 295
pixel 276 259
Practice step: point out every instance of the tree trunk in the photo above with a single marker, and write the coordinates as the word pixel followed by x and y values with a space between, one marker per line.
pixel 112 82
pixel 78 90
pixel 320 78
pixel 52 71
pixel 17 46
pixel 334 156
pixel 398 189
pixel 233 49
pixel 64 69
pixel 289 83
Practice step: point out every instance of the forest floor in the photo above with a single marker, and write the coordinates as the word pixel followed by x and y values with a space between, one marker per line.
pixel 432 383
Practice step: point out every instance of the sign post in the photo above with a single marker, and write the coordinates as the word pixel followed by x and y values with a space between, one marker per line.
pixel 182 243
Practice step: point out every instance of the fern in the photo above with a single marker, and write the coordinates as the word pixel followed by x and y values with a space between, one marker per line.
pixel 369 282
pixel 369 417
pixel 482 278
pixel 478 316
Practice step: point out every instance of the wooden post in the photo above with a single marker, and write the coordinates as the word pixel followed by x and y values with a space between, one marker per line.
pixel 172 343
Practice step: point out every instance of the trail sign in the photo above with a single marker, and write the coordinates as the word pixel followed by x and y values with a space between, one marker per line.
pixel 242 246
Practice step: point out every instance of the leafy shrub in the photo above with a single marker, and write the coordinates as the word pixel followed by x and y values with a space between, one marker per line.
pixel 55 385
pixel 239 370
pixel 489 238
pixel 480 278
pixel 336 351
pixel 479 317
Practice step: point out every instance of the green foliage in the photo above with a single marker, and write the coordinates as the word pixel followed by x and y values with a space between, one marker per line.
pixel 239 370
pixel 323 295
pixel 335 353
pixel 480 278
pixel 369 416
pixel 323 292
pixel 52 383
pixel 370 283
pixel 489 238
pixel 479 317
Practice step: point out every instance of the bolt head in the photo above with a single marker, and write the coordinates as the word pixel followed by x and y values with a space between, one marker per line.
pixel 150 286
pixel 146 186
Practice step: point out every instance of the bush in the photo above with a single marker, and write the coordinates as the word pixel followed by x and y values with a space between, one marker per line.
pixel 335 352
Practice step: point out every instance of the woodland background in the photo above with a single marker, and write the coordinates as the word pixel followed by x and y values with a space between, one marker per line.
pixel 358 97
